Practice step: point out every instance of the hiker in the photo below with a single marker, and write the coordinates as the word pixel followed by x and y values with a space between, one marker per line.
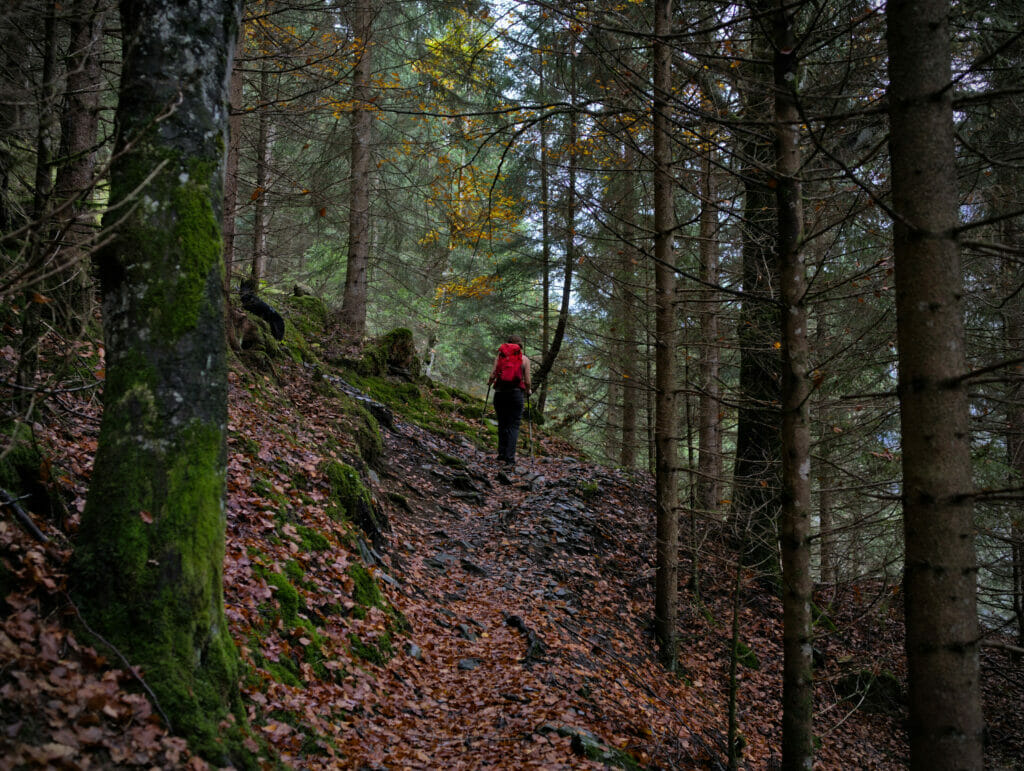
pixel 511 380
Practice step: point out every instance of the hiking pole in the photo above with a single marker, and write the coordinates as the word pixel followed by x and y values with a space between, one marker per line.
pixel 529 422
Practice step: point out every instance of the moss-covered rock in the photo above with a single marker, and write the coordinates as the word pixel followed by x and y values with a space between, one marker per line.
pixel 368 436
pixel 308 314
pixel 350 499
pixel 876 692
pixel 392 354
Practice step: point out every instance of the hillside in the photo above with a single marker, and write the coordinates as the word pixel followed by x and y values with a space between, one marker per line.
pixel 401 603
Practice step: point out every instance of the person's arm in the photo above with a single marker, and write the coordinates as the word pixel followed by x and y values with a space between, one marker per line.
pixel 526 375
pixel 494 371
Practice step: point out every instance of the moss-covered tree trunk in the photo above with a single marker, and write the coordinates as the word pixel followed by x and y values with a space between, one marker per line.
pixel 148 563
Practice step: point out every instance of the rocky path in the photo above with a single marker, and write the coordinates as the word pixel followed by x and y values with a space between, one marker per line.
pixel 505 578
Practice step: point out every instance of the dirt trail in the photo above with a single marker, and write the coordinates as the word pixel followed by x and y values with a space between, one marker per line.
pixel 500 578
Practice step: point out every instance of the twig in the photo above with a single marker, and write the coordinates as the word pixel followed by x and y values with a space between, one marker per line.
pixel 1003 646
pixel 22 516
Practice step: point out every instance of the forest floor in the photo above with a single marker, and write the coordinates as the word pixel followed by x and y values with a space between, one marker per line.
pixel 507 623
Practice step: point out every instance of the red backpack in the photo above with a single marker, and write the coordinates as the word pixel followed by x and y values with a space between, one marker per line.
pixel 510 367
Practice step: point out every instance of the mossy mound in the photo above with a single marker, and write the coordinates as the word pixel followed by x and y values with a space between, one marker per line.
pixel 308 314
pixel 392 354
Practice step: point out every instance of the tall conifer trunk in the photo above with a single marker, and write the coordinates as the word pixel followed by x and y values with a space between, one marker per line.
pixel 709 436
pixel 756 470
pixel 353 307
pixel 940 570
pixel 666 492
pixel 795 514
pixel 147 571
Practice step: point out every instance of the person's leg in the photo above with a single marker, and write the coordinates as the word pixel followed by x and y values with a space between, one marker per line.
pixel 501 409
pixel 514 418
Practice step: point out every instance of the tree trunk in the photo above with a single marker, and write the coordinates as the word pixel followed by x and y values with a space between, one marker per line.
pixel 709 439
pixel 353 307
pixel 631 257
pixel 147 570
pixel 540 377
pixel 264 158
pixel 940 569
pixel 756 470
pixel 829 570
pixel 40 251
pixel 667 558
pixel 235 97
pixel 1014 338
pixel 795 516
pixel 545 215
pixel 76 224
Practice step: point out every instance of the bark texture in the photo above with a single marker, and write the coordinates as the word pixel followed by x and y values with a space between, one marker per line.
pixel 666 597
pixel 709 434
pixel 940 571
pixel 76 223
pixel 353 307
pixel 795 514
pixel 147 572
pixel 756 470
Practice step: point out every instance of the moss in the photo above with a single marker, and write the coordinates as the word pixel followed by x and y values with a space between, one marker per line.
pixel 368 436
pixel 471 411
pixel 247 445
pixel 287 597
pixel 295 573
pixel 312 540
pixel 394 352
pixel 309 314
pixel 588 490
pixel 377 652
pixel 365 592
pixel 325 388
pixel 450 460
pixel 20 460
pixel 296 346
pixel 351 500
pixel 746 656
pixel 159 539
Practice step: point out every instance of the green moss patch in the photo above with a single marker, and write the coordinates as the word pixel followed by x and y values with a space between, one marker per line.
pixel 351 500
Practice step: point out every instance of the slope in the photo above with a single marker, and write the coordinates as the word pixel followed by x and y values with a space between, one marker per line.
pixel 401 603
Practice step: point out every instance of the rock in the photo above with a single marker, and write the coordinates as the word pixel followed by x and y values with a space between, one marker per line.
pixel 468 664
pixel 463 482
pixel 302 290
pixel 472 567
pixel 414 651
pixel 466 633
pixel 441 561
